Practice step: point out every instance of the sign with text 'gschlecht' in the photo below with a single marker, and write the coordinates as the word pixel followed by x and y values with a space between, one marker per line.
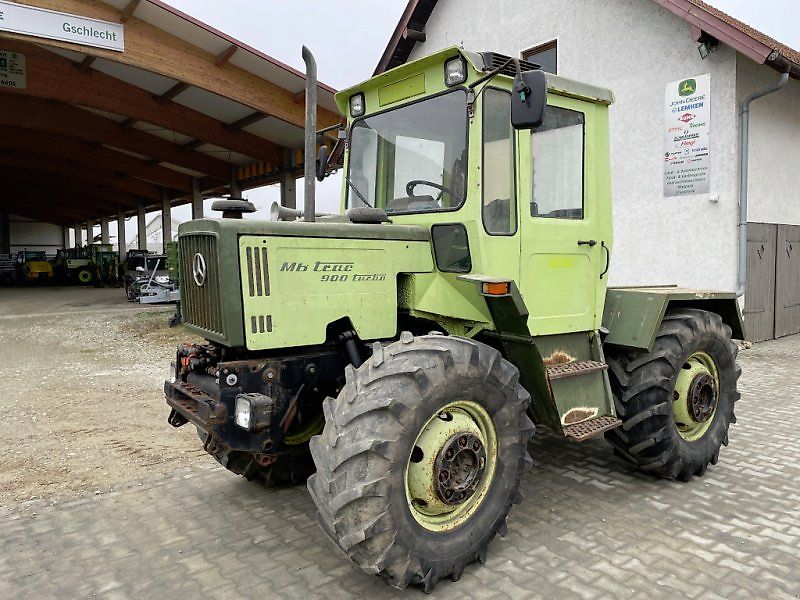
pixel 40 22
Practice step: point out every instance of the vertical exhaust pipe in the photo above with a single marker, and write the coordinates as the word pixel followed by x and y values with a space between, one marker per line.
pixel 310 153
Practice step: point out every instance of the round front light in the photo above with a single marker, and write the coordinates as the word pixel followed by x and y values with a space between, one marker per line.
pixel 455 71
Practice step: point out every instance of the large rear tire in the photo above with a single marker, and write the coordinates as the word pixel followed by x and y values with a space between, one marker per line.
pixel 421 457
pixel 676 401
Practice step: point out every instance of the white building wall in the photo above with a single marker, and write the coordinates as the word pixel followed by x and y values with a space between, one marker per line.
pixel 27 234
pixel 635 48
pixel 773 189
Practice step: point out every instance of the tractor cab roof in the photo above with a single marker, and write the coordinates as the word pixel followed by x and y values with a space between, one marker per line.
pixel 481 63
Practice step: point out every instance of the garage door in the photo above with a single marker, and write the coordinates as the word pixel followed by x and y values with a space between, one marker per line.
pixel 759 312
pixel 787 281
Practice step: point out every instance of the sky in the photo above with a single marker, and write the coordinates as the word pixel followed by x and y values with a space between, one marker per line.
pixel 348 37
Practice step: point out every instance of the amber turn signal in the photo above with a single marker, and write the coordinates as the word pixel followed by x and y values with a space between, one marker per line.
pixel 502 288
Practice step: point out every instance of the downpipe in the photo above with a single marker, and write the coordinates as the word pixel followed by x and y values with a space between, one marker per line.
pixel 310 154
pixel 744 131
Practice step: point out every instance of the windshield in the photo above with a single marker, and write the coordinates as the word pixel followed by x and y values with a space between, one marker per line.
pixel 410 159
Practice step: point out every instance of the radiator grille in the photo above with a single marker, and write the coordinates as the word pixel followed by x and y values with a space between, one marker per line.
pixel 257 271
pixel 202 307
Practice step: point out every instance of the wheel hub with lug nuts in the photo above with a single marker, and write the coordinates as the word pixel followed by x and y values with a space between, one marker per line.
pixel 696 396
pixel 702 397
pixel 451 466
pixel 459 467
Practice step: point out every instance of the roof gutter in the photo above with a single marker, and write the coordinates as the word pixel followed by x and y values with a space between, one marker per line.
pixel 744 150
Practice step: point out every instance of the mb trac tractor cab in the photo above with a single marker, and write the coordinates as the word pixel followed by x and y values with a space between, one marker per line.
pixel 403 350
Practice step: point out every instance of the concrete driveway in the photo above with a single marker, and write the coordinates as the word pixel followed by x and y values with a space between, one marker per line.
pixel 588 528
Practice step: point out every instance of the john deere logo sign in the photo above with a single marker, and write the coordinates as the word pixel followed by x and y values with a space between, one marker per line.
pixel 687 87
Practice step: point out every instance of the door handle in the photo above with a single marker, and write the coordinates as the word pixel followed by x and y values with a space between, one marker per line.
pixel 589 243
pixel 608 259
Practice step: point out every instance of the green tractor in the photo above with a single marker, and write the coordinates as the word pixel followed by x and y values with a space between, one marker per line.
pixel 400 352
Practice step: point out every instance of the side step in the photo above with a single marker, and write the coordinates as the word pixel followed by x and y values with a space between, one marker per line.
pixel 591 428
pixel 575 368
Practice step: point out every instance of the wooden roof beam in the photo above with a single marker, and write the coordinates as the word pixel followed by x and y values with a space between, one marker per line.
pixel 55 117
pixel 128 10
pixel 57 200
pixel 85 189
pixel 71 169
pixel 55 215
pixel 92 154
pixel 172 92
pixel 55 81
pixel 223 57
pixel 85 65
pixel 247 120
pixel 146 45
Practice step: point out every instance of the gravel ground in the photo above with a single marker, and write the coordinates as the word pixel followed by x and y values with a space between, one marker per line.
pixel 83 411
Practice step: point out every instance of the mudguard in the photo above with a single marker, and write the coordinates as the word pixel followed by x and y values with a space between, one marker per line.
pixel 632 316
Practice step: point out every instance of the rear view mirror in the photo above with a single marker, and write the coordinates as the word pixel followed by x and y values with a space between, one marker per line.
pixel 529 99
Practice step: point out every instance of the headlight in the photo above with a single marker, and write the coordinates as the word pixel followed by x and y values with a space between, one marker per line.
pixel 162 278
pixel 253 412
pixel 455 71
pixel 357 105
pixel 172 375
pixel 244 412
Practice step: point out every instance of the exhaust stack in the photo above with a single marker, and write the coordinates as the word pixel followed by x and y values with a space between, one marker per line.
pixel 310 153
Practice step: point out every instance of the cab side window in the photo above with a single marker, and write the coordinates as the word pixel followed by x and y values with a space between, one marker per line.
pixel 557 152
pixel 499 201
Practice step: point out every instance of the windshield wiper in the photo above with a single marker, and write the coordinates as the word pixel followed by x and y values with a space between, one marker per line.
pixel 358 193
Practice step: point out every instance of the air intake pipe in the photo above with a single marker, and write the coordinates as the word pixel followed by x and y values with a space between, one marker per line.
pixel 310 154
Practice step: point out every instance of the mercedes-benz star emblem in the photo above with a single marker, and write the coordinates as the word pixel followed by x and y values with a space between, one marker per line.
pixel 199 269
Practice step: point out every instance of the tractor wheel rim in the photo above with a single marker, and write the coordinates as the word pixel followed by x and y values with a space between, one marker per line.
pixel 696 396
pixel 451 466
pixel 84 276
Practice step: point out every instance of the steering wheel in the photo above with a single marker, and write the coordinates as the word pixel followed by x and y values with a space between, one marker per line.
pixel 415 182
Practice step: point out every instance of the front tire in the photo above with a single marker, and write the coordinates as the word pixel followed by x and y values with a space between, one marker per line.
pixel 676 401
pixel 85 276
pixel 421 457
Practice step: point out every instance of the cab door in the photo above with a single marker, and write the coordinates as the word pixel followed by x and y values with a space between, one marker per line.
pixel 561 244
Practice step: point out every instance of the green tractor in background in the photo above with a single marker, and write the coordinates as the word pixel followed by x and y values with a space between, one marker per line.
pixel 96 264
pixel 401 352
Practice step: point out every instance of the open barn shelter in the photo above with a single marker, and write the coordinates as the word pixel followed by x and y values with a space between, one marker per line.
pixel 118 108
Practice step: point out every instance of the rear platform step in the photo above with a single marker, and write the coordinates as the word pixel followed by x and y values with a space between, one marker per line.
pixel 575 368
pixel 591 428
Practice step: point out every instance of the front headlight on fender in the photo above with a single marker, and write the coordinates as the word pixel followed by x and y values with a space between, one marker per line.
pixel 253 412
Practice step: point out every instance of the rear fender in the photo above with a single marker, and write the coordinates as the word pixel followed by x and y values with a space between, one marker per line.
pixel 633 316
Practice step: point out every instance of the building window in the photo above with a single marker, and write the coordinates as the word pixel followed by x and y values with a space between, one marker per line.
pixel 499 205
pixel 557 157
pixel 544 55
